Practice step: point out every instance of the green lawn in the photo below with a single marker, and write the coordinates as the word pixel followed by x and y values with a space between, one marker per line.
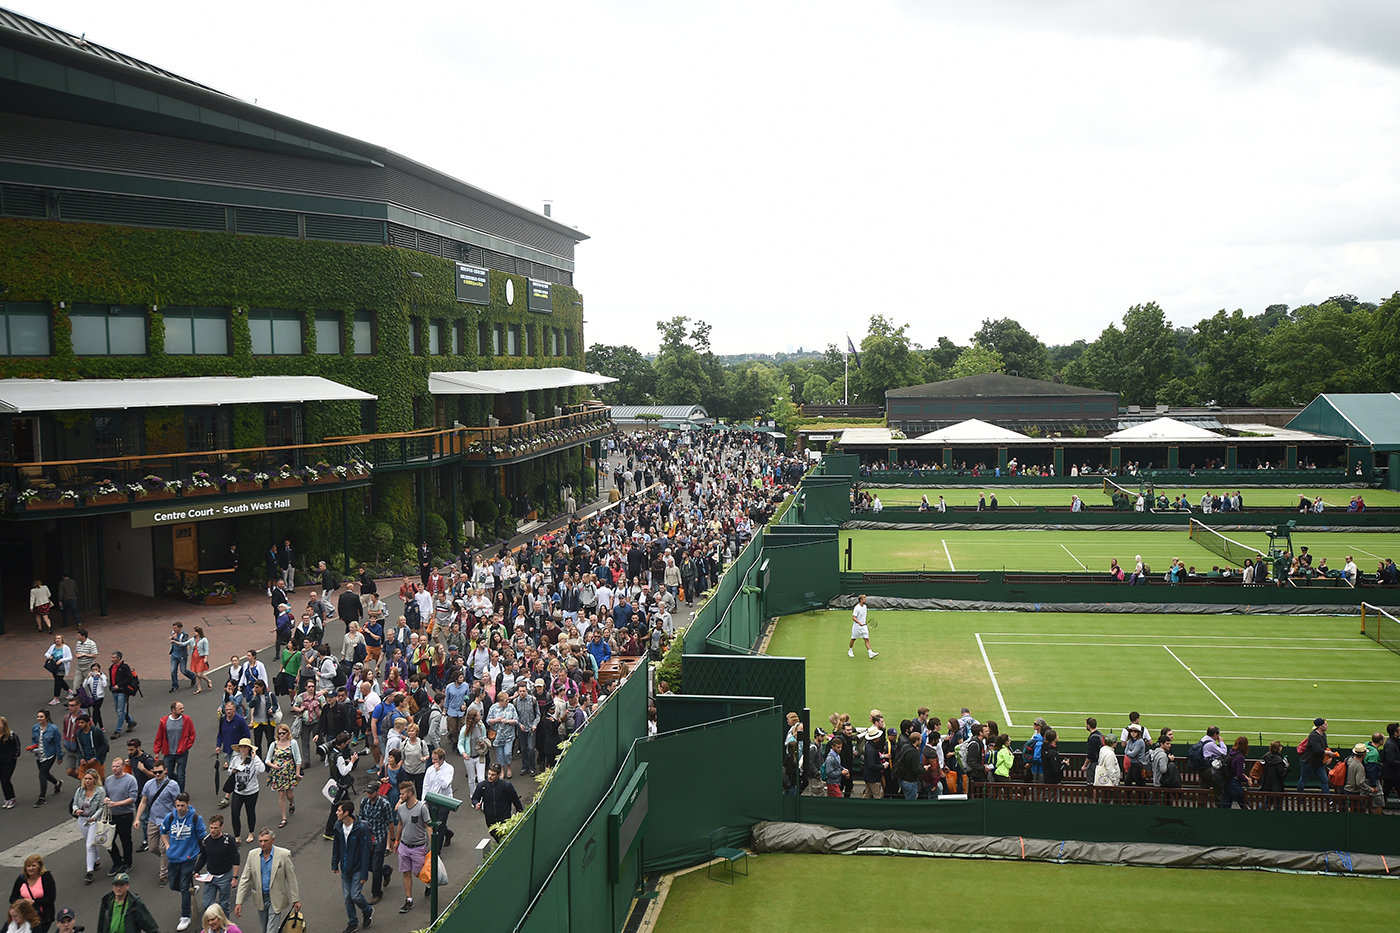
pixel 1261 676
pixel 1033 550
pixel 1029 495
pixel 788 893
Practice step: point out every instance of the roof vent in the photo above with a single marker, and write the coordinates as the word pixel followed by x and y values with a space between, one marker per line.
pixel 548 206
pixel 1134 409
pixel 1163 409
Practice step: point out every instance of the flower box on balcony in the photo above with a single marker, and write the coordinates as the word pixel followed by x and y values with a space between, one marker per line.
pixel 245 486
pixel 211 600
pixel 325 479
pixel 38 505
pixel 189 491
pixel 106 498
pixel 278 483
pixel 158 494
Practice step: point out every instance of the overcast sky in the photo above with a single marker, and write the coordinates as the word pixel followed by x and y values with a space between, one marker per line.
pixel 785 169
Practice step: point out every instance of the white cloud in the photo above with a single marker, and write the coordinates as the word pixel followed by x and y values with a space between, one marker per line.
pixel 784 170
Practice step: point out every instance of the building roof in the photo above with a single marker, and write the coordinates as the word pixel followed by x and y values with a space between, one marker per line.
pixel 24 395
pixel 501 381
pixel 1370 418
pixel 1164 429
pixel 973 430
pixel 674 413
pixel 990 384
pixel 858 436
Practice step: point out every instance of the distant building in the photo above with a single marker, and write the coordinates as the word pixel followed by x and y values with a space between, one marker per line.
pixel 1009 401
pixel 684 417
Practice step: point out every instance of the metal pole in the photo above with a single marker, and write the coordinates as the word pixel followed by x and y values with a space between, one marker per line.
pixel 345 527
pixel 101 572
pixel 423 504
pixel 456 525
pixel 846 393
pixel 436 823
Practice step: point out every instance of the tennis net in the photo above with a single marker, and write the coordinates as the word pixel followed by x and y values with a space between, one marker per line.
pixel 1231 550
pixel 1380 626
pixel 1119 494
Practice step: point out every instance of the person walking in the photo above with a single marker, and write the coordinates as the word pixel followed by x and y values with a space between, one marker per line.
pixel 93 690
pixel 859 629
pixel 93 747
pixel 157 801
pixel 88 806
pixel 215 920
pixel 268 882
pixel 199 660
pixel 411 840
pixel 438 780
pixel 174 739
pixel 40 603
pixel 378 814
pixel 497 799
pixel 180 644
pixel 218 859
pixel 342 765
pixel 351 858
pixel 9 760
pixel 48 746
pixel 124 685
pixel 232 728
pixel 1313 757
pixel 284 765
pixel 122 791
pixel 245 766
pixel 181 832
pixel 68 600
pixel 124 912
pixel 58 660
pixel 36 885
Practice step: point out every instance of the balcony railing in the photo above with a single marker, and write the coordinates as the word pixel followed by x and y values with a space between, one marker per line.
pixel 99 481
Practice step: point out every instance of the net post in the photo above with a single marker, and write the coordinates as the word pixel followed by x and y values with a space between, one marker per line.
pixel 1363 619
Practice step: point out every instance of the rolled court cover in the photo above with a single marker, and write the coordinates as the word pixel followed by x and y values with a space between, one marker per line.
pixel 812 839
pixel 1111 607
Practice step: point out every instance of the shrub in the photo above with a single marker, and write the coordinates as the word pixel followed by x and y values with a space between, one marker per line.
pixel 381 536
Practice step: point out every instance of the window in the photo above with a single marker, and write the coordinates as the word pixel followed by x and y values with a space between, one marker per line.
pixel 553 342
pixel 364 333
pixel 496 340
pixel 435 338
pixel 482 340
pixel 415 340
pixel 513 340
pixel 567 340
pixel 207 429
pixel 529 342
pixel 196 332
pixel 275 333
pixel 117 434
pixel 24 328
pixel 329 333
pixel 109 330
pixel 282 425
pixel 459 338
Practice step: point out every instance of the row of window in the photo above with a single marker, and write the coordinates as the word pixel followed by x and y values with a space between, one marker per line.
pixel 120 330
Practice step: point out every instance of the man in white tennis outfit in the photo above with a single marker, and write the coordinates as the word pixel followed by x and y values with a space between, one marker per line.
pixel 859 629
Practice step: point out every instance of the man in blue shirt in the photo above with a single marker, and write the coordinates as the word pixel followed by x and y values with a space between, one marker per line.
pixel 599 649
pixel 352 857
pixel 180 832
pixel 180 643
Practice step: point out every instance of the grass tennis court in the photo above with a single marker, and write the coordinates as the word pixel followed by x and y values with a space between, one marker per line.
pixel 788 893
pixel 1250 675
pixel 1332 498
pixel 1036 551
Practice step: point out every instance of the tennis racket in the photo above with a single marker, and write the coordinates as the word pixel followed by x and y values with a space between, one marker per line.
pixel 873 623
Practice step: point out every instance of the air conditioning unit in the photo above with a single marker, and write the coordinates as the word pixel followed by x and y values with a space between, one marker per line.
pixel 529 416
pixel 492 421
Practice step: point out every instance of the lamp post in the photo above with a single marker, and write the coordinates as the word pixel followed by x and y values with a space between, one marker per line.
pixel 437 804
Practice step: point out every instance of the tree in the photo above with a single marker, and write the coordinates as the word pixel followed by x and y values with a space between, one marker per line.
pixel 1227 350
pixel 681 378
pixel 1321 348
pixel 1385 343
pixel 636 377
pixel 887 361
pixel 1134 362
pixel 817 391
pixel 976 360
pixel 1021 352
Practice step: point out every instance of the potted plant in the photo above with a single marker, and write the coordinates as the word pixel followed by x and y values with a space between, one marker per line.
pixel 221 594
pixel 105 492
pixel 155 487
pixel 200 483
pixel 284 477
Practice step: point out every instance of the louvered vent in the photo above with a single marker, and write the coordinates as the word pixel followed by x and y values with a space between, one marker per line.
pixel 140 212
pixel 344 229
pixel 17 201
pixel 250 220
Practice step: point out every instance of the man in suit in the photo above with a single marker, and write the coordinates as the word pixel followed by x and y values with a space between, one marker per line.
pixel 352 858
pixel 269 881
pixel 289 565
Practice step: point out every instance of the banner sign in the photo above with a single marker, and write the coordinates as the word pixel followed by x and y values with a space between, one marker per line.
pixel 471 285
pixel 540 298
pixel 185 510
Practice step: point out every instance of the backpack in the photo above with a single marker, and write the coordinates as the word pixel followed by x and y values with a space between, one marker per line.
pixel 1196 756
pixel 135 687
pixel 1172 776
pixel 1303 745
pixel 84 697
pixel 1337 777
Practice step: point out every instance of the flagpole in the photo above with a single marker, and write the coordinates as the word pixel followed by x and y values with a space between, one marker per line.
pixel 846 393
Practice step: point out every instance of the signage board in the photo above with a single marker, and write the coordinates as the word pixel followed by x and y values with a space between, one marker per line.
pixel 541 299
pixel 471 285
pixel 180 511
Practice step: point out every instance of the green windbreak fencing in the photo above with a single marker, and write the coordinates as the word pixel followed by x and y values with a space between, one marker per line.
pixel 721 675
pixel 823 500
pixel 733 616
pixel 497 896
pixel 801 563
pixel 696 787
pixel 846 465
pixel 681 711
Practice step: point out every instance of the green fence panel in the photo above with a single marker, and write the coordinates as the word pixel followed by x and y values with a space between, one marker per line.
pixel 551 910
pixel 960 818
pixel 783 679
pixel 681 711
pixel 793 586
pixel 726 774
pixel 738 614
pixel 843 465
pixel 823 501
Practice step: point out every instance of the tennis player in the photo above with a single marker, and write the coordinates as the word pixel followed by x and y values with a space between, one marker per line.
pixel 859 629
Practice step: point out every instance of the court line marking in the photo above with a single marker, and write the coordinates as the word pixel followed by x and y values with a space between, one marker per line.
pixel 1148 714
pixel 1172 634
pixel 1202 682
pixel 1306 680
pixel 1119 644
pixel 1013 499
pixel 1363 551
pixel 50 840
pixel 949 554
pixel 1006 714
pixel 1076 560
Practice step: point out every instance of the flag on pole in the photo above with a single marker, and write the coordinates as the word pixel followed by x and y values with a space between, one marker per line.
pixel 851 348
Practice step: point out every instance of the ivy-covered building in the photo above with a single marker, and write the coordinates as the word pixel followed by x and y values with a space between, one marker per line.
pixel 155 229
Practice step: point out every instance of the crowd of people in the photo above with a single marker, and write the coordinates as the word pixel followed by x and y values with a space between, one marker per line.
pixel 923 760
pixel 498 658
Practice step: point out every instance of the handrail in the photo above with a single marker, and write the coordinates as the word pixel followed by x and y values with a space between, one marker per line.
pixel 188 454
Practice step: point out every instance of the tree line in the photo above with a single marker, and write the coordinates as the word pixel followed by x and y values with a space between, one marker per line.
pixel 1279 357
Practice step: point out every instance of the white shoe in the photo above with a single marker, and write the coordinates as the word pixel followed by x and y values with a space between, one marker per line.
pixel 850 652
pixel 874 654
pixel 184 924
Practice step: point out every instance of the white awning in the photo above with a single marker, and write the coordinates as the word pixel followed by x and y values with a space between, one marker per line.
pixel 502 381
pixel 21 395
pixel 973 430
pixel 1164 429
